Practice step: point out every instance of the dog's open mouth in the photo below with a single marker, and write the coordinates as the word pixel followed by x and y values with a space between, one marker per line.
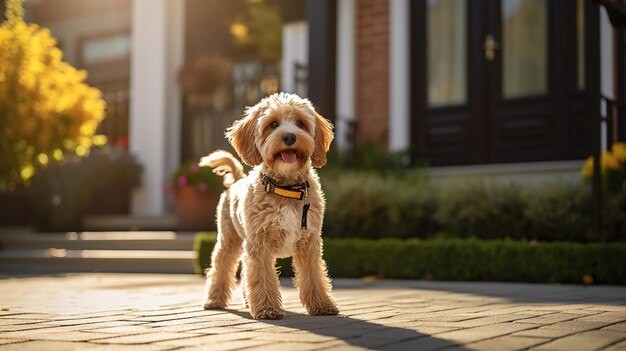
pixel 288 156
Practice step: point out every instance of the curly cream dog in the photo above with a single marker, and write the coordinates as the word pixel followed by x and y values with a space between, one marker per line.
pixel 275 211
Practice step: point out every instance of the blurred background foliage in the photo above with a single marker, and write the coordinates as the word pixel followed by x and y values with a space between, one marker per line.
pixel 259 26
pixel 64 191
pixel 46 108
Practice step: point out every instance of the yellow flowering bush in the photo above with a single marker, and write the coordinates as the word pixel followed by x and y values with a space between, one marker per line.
pixel 612 166
pixel 46 108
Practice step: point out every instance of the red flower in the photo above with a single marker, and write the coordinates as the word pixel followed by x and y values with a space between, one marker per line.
pixel 182 181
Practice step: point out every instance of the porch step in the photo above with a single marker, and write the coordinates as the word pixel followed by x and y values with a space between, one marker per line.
pixel 128 252
pixel 129 222
pixel 114 261
pixel 98 240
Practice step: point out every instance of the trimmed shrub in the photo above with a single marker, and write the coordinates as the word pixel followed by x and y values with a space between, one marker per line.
pixel 404 206
pixel 615 216
pixel 457 259
pixel 370 206
pixel 475 210
pixel 559 212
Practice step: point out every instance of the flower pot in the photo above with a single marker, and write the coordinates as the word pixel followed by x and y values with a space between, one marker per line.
pixel 195 210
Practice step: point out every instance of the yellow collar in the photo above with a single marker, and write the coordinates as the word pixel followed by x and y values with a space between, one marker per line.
pixel 295 191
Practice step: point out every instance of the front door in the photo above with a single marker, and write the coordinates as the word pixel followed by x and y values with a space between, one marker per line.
pixel 498 81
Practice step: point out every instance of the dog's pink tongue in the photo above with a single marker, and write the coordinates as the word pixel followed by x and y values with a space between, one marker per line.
pixel 288 156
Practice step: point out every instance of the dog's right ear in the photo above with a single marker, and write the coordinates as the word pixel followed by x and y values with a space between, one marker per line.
pixel 323 137
pixel 242 135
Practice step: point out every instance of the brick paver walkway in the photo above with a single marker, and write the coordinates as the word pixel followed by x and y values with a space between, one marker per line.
pixel 161 312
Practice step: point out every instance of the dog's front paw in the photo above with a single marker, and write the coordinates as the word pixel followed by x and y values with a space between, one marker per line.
pixel 268 313
pixel 325 310
pixel 213 305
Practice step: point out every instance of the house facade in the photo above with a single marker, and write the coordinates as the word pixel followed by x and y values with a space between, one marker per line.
pixel 477 82
pixel 481 82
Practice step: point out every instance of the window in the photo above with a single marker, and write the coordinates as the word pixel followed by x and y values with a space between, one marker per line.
pixel 524 56
pixel 447 52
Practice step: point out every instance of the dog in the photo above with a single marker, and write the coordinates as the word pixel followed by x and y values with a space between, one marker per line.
pixel 275 211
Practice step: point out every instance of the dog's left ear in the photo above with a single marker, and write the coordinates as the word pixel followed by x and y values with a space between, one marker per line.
pixel 323 137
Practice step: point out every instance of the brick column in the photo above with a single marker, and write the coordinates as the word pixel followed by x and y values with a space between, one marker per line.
pixel 372 88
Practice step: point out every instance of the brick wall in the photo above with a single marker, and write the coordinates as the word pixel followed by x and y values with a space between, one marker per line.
pixel 372 71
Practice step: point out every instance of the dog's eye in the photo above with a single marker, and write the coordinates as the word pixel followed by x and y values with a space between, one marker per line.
pixel 274 125
pixel 299 124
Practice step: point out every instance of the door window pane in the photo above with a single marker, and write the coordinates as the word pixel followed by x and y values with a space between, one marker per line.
pixel 447 48
pixel 580 44
pixel 106 48
pixel 524 57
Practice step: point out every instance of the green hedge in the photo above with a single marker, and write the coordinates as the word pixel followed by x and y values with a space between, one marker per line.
pixel 461 259
pixel 405 206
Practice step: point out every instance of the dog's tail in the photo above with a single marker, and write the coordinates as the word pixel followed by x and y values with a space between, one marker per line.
pixel 225 165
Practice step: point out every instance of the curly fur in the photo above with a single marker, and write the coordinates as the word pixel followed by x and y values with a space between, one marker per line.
pixel 255 227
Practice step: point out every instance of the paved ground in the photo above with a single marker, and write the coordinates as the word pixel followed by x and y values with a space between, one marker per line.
pixel 161 312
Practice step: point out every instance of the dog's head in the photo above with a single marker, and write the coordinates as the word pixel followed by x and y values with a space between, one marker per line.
pixel 284 132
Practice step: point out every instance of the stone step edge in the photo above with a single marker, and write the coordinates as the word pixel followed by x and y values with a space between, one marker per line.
pixel 99 236
pixel 60 254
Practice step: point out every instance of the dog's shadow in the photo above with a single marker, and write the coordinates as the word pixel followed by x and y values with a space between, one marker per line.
pixel 352 331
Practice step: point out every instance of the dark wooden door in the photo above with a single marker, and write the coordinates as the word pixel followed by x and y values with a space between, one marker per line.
pixel 498 81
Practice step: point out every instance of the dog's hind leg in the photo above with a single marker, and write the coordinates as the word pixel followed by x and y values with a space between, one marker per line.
pixel 312 281
pixel 221 278
pixel 244 287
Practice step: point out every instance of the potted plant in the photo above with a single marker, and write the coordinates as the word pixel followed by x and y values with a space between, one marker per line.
pixel 202 78
pixel 196 193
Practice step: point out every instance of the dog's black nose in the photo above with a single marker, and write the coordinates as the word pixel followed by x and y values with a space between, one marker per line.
pixel 289 138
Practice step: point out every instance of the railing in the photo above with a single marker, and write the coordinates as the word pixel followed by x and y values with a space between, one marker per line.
pixel 614 118
pixel 301 78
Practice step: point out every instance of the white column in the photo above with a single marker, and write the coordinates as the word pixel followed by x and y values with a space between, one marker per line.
pixel 345 76
pixel 175 62
pixel 295 50
pixel 154 116
pixel 607 72
pixel 399 75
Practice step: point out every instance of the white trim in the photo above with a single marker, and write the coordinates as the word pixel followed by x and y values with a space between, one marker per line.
pixel 528 173
pixel 607 73
pixel 154 102
pixel 496 169
pixel 399 77
pixel 175 61
pixel 345 77
pixel 606 54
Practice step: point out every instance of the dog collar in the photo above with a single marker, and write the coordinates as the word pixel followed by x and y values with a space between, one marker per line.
pixel 296 191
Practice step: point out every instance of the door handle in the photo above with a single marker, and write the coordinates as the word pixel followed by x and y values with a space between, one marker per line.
pixel 491 45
